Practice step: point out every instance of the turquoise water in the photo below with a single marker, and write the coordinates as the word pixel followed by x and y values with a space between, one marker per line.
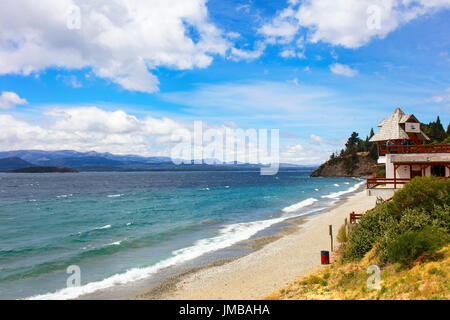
pixel 121 227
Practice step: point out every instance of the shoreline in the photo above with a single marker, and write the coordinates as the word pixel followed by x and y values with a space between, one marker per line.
pixel 291 253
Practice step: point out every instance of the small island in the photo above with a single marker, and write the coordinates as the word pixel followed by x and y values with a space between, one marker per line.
pixel 43 170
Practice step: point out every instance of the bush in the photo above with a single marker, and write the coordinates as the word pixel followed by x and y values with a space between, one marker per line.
pixel 421 193
pixel 414 244
pixel 414 220
pixel 368 231
pixel 424 202
pixel 342 234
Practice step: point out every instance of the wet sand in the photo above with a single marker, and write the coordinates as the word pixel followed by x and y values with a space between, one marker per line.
pixel 277 261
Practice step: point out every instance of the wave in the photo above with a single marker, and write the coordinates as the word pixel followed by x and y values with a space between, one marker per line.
pixel 336 195
pixel 64 196
pixel 336 185
pixel 114 195
pixel 301 204
pixel 104 227
pixel 117 243
pixel 228 236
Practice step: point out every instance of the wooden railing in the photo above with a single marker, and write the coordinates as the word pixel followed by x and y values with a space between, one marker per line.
pixel 421 148
pixel 354 217
pixel 372 182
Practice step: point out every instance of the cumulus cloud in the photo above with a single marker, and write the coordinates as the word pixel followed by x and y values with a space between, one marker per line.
pixel 347 23
pixel 10 100
pixel 121 41
pixel 343 70
pixel 88 128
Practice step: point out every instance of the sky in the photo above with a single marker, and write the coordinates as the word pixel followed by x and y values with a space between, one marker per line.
pixel 123 76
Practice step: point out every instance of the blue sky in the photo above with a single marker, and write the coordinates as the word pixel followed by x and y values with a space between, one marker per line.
pixel 131 74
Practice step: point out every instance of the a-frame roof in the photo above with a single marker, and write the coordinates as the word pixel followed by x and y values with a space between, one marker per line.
pixel 390 128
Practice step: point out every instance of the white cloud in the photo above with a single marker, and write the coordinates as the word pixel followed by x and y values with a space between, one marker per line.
pixel 347 23
pixel 283 28
pixel 442 97
pixel 343 70
pixel 91 128
pixel 306 155
pixel 10 100
pixel 120 40
pixel 88 128
pixel 240 54
pixel 316 138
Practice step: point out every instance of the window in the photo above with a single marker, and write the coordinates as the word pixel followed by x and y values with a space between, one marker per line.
pixel 438 171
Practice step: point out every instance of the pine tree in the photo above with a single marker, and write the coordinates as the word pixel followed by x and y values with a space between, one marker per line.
pixel 352 143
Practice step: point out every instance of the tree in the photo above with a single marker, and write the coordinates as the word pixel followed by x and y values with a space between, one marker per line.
pixel 352 143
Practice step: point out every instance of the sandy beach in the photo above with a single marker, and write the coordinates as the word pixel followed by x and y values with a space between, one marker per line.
pixel 260 273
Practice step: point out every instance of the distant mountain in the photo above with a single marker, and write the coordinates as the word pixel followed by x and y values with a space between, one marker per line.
pixel 79 162
pixel 43 170
pixel 37 156
pixel 13 163
pixel 95 161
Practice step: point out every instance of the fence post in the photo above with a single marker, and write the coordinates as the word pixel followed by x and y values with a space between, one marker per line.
pixel 331 236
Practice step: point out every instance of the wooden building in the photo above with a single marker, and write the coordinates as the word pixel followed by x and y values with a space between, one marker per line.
pixel 404 156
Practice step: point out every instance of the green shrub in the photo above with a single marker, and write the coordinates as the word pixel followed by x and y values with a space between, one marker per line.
pixel 342 234
pixel 413 244
pixel 421 193
pixel 423 202
pixel 414 220
pixel 368 231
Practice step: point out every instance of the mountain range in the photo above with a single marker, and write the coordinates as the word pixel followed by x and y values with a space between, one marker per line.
pixel 95 161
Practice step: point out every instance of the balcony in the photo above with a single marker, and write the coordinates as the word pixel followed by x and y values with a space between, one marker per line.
pixel 421 148
pixel 377 182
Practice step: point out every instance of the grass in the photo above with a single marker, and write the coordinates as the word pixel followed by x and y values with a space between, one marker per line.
pixel 428 278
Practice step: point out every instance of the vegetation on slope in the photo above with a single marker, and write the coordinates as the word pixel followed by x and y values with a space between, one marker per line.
pixel 427 279
pixel 356 159
pixel 407 237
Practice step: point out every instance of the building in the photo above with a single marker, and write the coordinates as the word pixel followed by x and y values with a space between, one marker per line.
pixel 404 156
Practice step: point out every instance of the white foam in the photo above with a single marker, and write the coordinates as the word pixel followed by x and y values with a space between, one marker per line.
pixel 336 195
pixel 104 227
pixel 64 196
pixel 336 185
pixel 114 243
pixel 316 189
pixel 299 205
pixel 115 195
pixel 228 236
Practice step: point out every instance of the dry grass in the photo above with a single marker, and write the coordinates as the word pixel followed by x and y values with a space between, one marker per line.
pixel 341 281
